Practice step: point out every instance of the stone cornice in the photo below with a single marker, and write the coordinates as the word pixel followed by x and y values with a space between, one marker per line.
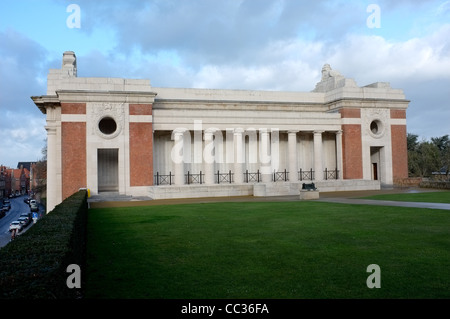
pixel 84 96
pixel 361 103
pixel 46 100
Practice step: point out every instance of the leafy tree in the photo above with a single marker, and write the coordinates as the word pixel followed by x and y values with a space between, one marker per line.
pixel 426 157
pixel 443 144
pixel 41 173
pixel 412 141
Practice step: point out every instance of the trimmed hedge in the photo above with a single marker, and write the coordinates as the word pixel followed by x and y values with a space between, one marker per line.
pixel 435 184
pixel 33 266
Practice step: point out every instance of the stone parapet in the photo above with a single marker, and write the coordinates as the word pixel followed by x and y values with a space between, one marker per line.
pixel 255 189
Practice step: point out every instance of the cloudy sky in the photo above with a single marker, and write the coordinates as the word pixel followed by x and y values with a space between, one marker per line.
pixel 228 44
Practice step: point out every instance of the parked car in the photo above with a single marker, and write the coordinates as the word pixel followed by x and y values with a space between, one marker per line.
pixel 26 200
pixel 6 207
pixel 29 215
pixel 26 217
pixel 25 221
pixel 32 201
pixel 34 207
pixel 15 225
pixel 2 213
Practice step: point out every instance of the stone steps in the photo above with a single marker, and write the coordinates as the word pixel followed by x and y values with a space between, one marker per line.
pixel 109 196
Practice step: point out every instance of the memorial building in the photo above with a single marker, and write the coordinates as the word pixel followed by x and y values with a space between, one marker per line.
pixel 125 137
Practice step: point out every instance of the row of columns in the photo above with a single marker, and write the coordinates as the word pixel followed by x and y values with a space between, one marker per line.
pixel 318 150
pixel 265 167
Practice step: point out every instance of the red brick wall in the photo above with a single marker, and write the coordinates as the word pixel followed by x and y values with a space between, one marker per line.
pixel 399 151
pixel 352 165
pixel 73 148
pixel 352 151
pixel 398 114
pixel 140 109
pixel 73 108
pixel 350 113
pixel 141 154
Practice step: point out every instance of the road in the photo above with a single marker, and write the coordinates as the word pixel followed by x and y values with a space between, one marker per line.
pixel 18 206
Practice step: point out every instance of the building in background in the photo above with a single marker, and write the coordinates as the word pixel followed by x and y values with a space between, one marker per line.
pixel 126 137
pixel 14 181
pixel 3 177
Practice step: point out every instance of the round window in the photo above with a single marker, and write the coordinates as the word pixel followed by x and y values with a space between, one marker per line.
pixel 107 125
pixel 376 128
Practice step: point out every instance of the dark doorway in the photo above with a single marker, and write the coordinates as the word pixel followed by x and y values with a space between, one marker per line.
pixel 108 170
pixel 375 171
pixel 376 156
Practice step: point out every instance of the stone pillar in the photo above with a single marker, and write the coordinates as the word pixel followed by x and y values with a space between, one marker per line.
pixel 339 154
pixel 52 190
pixel 318 167
pixel 197 155
pixel 264 156
pixel 208 157
pixel 292 148
pixel 178 157
pixel 239 156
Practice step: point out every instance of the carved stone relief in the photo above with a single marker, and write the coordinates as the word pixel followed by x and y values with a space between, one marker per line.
pixel 115 111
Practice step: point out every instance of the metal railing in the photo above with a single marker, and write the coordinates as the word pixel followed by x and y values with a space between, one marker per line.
pixel 163 179
pixel 280 176
pixel 252 177
pixel 249 177
pixel 306 175
pixel 224 177
pixel 331 174
pixel 194 178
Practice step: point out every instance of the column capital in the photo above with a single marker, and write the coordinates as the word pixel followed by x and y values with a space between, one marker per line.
pixel 212 130
pixel 209 133
pixel 339 132
pixel 292 131
pixel 238 130
pixel 51 130
pixel 318 132
pixel 179 130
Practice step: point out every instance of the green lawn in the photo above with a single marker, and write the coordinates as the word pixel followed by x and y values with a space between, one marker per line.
pixel 430 197
pixel 267 250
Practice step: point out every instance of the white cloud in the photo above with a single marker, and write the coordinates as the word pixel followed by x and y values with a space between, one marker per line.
pixel 24 141
pixel 237 44
pixel 373 56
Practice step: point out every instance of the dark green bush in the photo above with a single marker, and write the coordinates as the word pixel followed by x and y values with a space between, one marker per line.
pixel 34 264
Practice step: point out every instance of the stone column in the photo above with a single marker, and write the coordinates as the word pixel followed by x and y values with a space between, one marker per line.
pixel 239 156
pixel 264 156
pixel 178 157
pixel 339 154
pixel 52 190
pixel 292 148
pixel 318 167
pixel 197 155
pixel 208 157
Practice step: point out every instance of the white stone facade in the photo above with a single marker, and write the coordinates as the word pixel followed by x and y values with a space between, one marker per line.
pixel 338 136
